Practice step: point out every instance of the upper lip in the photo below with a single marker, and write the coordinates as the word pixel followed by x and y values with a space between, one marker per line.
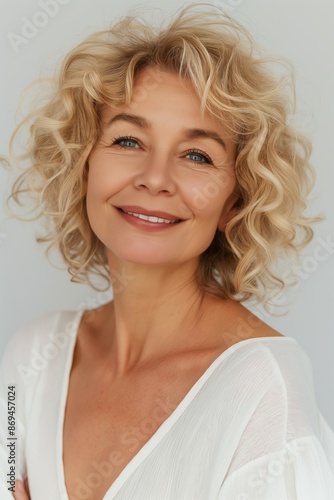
pixel 151 213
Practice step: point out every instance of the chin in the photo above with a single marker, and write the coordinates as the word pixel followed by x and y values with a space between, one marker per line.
pixel 147 256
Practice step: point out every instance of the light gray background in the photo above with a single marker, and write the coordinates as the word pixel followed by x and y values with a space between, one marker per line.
pixel 296 29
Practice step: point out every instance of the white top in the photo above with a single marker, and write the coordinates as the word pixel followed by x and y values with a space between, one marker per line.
pixel 248 429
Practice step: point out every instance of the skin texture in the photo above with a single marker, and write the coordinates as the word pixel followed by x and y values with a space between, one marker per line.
pixel 174 331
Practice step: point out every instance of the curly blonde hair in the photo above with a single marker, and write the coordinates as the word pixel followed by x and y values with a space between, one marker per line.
pixel 233 81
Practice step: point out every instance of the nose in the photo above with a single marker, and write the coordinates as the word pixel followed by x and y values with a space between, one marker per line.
pixel 156 174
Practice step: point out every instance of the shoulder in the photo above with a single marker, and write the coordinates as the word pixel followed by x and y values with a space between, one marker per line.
pixel 264 355
pixel 279 372
pixel 236 323
pixel 248 335
pixel 286 357
pixel 37 331
pixel 38 340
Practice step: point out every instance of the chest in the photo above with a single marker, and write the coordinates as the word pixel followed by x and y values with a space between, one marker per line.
pixel 106 423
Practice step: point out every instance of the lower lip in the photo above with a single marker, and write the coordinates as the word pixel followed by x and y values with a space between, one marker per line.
pixel 145 224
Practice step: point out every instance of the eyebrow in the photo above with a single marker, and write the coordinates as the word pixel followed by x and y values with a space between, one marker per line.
pixel 191 133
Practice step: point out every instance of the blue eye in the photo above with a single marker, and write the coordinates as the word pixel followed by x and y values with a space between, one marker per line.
pixel 204 158
pixel 126 140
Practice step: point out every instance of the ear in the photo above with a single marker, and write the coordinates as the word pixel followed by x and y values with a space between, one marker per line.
pixel 229 210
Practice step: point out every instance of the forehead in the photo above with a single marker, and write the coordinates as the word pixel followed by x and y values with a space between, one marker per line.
pixel 150 78
pixel 169 94
pixel 152 84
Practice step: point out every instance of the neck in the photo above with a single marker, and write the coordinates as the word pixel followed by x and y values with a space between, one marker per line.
pixel 156 310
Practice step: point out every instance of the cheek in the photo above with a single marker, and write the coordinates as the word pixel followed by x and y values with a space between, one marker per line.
pixel 91 208
pixel 94 194
pixel 94 174
pixel 101 178
pixel 207 197
pixel 97 193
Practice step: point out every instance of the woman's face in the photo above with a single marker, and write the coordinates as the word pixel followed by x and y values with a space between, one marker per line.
pixel 157 154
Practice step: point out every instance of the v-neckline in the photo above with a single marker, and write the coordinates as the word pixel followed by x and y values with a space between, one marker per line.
pixel 154 440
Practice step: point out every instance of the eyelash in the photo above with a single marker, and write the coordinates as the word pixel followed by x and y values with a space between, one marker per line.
pixel 118 140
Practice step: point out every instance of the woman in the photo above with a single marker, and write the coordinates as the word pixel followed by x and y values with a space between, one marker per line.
pixel 165 159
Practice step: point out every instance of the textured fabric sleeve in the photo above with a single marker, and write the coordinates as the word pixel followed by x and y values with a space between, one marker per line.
pixel 287 449
pixel 301 470
pixel 18 369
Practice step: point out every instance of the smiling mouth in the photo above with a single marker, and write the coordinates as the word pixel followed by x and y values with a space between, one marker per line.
pixel 149 218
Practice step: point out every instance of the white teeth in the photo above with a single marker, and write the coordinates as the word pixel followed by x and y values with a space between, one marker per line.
pixel 151 219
